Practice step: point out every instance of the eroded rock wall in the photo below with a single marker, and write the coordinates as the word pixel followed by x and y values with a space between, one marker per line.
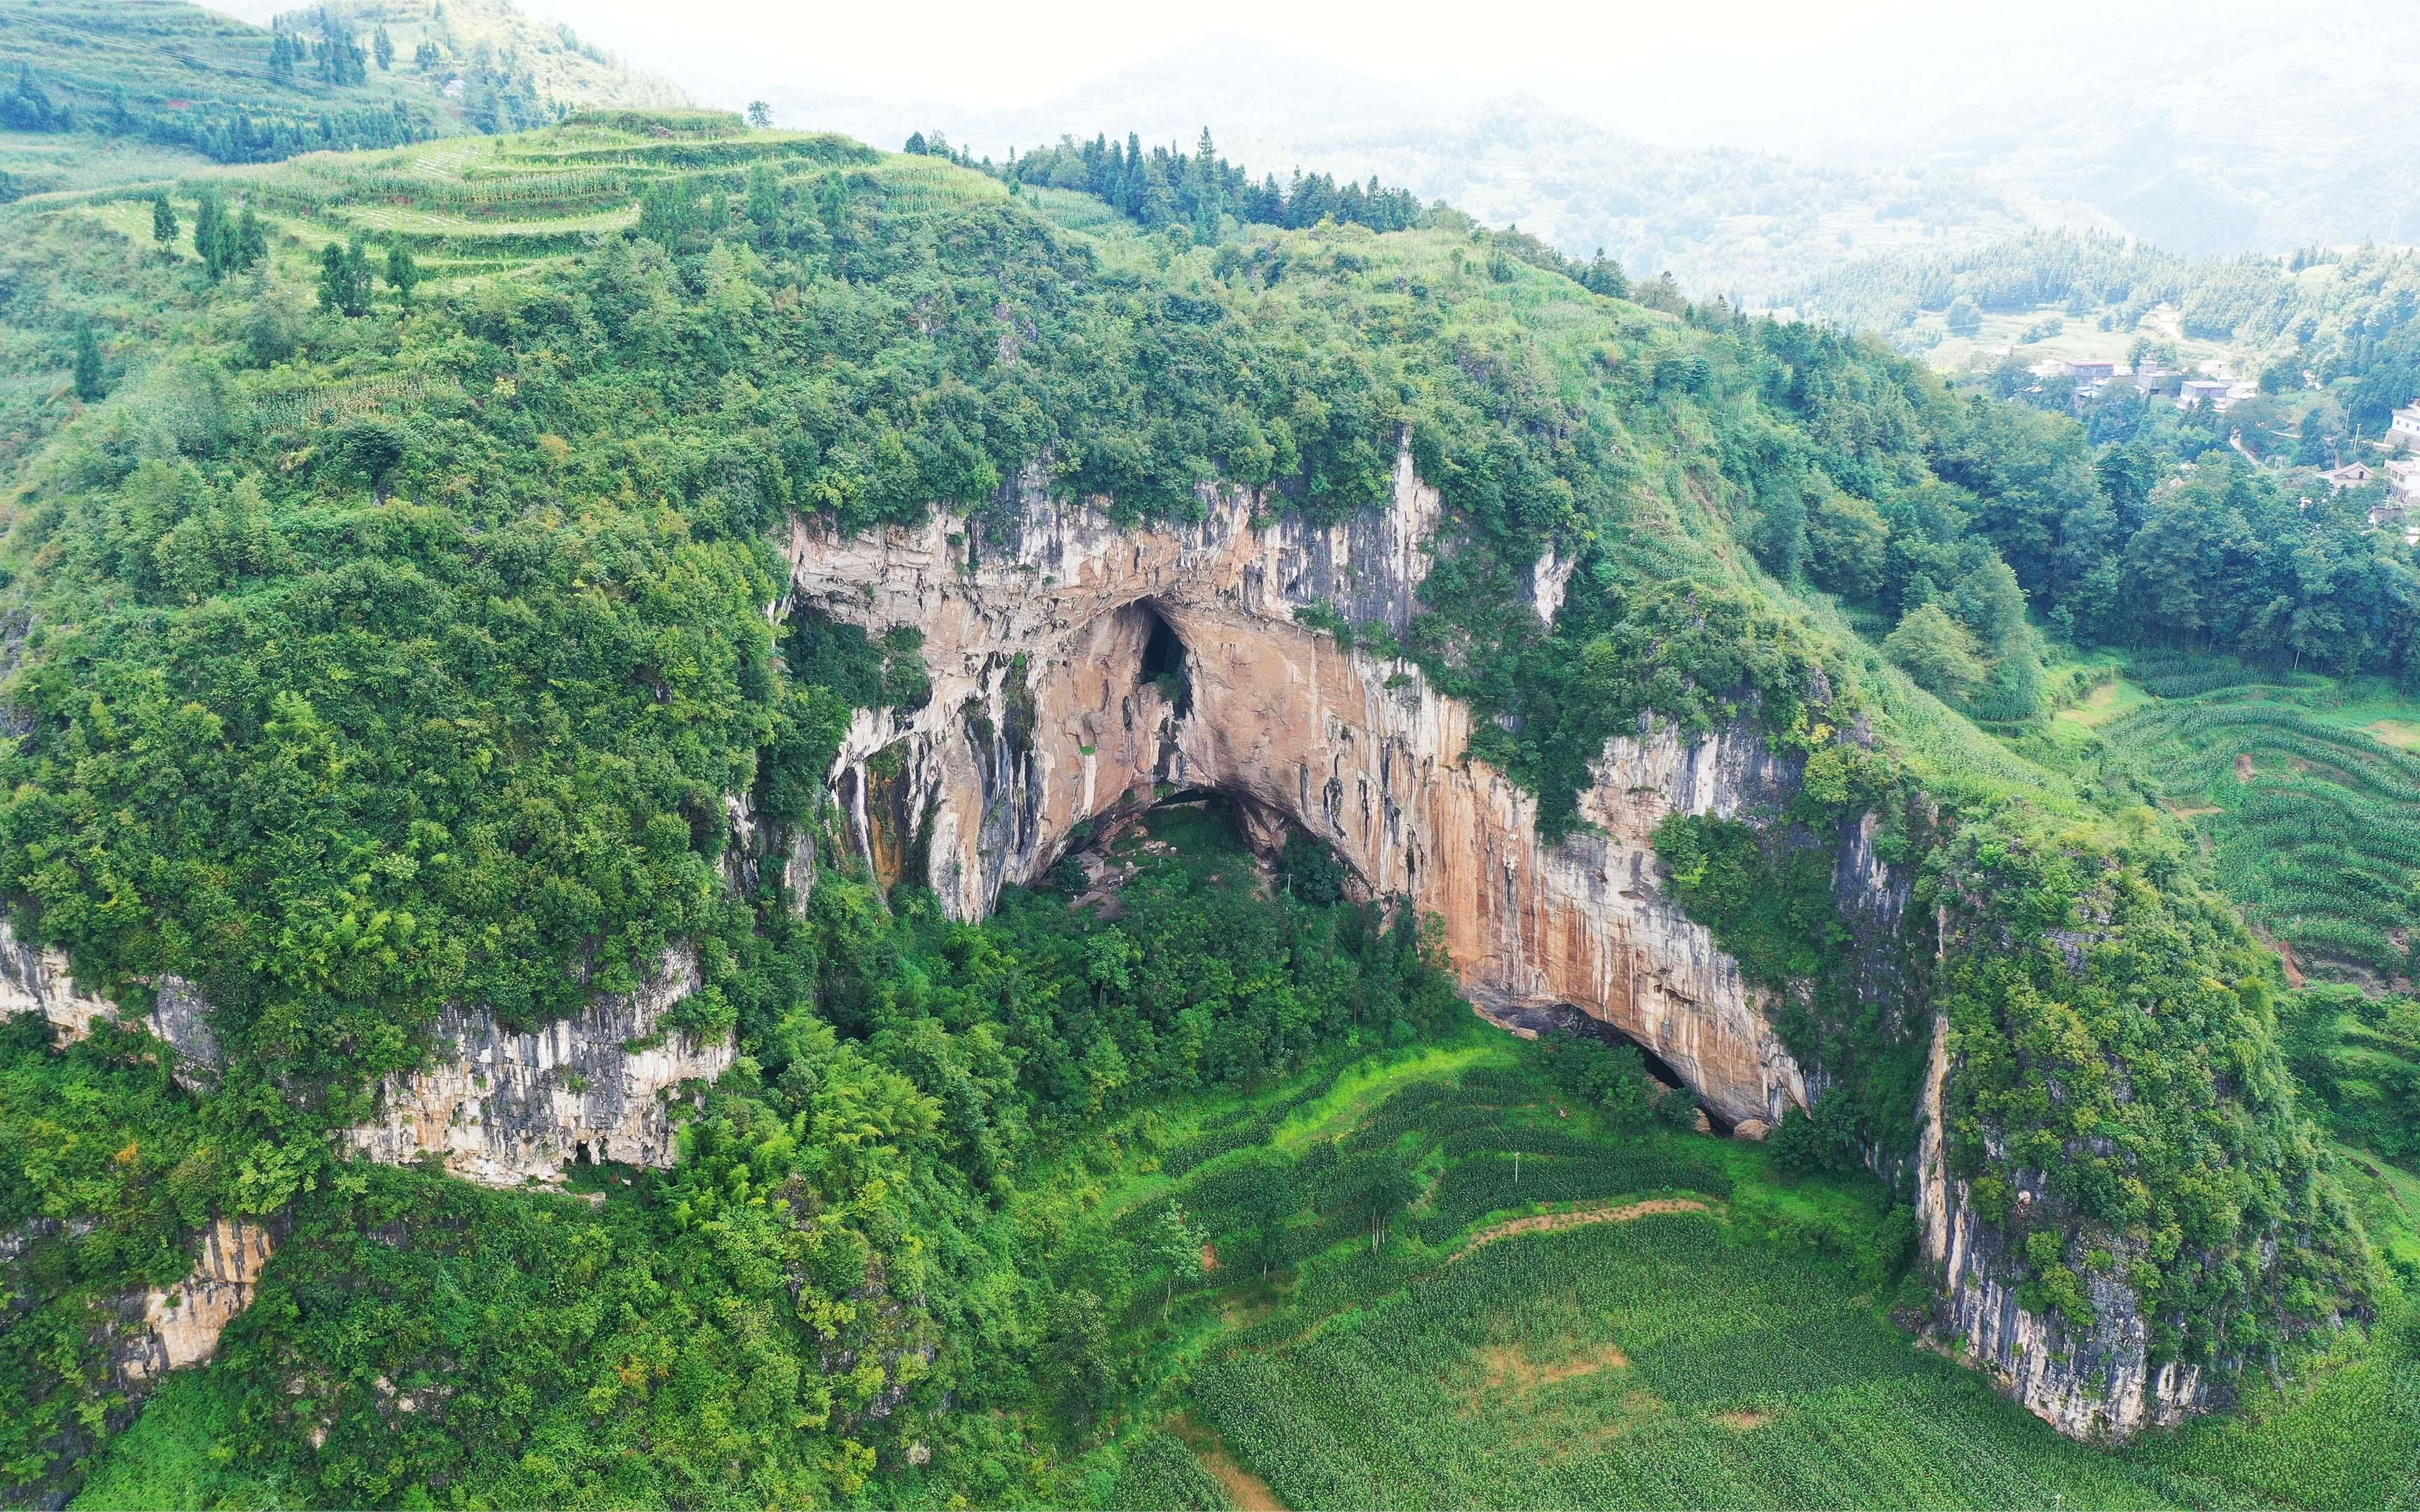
pixel 181 1325
pixel 38 981
pixel 2092 1383
pixel 509 1108
pixel 1039 622
pixel 503 1107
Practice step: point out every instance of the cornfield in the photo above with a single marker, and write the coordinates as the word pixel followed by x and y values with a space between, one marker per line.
pixel 2316 827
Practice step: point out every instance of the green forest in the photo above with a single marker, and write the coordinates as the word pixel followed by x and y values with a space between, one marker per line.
pixel 393 616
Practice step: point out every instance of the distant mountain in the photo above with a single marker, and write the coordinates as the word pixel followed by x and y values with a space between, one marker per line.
pixel 1720 221
pixel 562 67
pixel 2209 129
pixel 2284 127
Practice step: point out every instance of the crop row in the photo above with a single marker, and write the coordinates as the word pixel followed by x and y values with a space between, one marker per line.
pixel 1653 1363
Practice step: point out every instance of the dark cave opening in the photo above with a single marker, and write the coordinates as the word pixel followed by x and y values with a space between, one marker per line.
pixel 1163 661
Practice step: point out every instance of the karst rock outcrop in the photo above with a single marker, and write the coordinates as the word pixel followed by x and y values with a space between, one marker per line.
pixel 504 1106
pixel 1081 666
pixel 2094 1382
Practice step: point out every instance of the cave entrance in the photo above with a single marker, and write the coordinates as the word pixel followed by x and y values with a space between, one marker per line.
pixel 1572 1020
pixel 1163 660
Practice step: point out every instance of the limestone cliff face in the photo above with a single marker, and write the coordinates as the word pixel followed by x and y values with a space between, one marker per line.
pixel 2095 1383
pixel 181 1326
pixel 503 1107
pixel 1047 632
pixel 509 1109
pixel 38 981
pixel 1080 667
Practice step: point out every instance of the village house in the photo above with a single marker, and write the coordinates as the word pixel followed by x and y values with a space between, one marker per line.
pixel 2351 476
pixel 2405 431
pixel 2216 393
pixel 2088 372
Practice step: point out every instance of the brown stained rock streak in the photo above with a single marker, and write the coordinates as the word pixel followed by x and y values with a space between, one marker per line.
pixel 1042 719
pixel 181 1325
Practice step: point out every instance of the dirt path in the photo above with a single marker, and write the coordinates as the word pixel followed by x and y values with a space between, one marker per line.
pixel 1549 1222
pixel 1247 1490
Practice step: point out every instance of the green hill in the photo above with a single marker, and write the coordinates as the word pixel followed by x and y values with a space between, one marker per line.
pixel 96 89
pixel 390 643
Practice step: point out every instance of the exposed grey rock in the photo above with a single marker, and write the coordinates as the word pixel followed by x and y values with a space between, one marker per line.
pixel 38 981
pixel 2096 1383
pixel 507 1108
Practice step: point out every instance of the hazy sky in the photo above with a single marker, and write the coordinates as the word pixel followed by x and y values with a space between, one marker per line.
pixel 1710 71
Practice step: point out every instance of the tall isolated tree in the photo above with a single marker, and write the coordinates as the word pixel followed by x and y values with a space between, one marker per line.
pixel 760 114
pixel 344 280
pixel 1208 188
pixel 88 364
pixel 382 48
pixel 164 219
pixel 250 241
pixel 1272 1196
pixel 1178 1242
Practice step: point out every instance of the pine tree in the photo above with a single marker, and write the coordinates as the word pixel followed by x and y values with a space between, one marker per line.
pixel 332 279
pixel 357 284
pixel 88 364
pixel 383 45
pixel 764 203
pixel 209 224
pixel 1205 186
pixel 251 240
pixel 163 220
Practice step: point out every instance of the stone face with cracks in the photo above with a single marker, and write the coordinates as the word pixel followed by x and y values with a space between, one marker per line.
pixel 503 1107
pixel 1037 628
pixel 180 1326
pixel 507 1108
pixel 2089 1382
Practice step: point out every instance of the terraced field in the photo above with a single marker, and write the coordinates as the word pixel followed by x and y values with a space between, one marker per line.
pixel 476 207
pixel 2310 804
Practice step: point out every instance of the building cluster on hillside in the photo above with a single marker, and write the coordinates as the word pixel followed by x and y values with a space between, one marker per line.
pixel 2400 467
pixel 2093 375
